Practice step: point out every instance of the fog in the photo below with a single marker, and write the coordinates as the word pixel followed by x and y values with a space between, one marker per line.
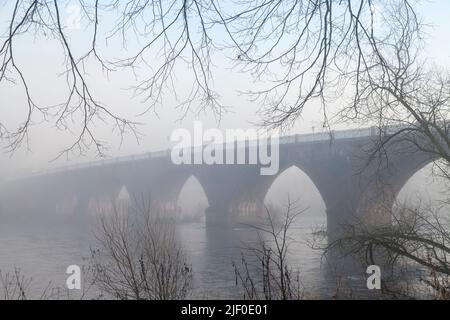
pixel 33 236
pixel 43 61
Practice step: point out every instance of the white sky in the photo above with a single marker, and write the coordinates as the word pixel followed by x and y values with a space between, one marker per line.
pixel 43 60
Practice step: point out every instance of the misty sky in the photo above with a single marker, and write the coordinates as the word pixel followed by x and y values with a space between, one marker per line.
pixel 42 61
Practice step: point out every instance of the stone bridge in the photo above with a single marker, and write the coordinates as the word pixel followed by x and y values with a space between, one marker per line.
pixel 336 162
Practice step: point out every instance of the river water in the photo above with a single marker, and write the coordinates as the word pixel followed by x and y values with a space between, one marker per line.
pixel 43 251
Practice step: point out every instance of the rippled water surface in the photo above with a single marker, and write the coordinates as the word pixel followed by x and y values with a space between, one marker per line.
pixel 43 252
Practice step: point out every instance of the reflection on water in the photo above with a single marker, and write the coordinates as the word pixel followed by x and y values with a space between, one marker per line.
pixel 44 251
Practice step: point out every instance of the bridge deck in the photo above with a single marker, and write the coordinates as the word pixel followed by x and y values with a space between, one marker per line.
pixel 292 139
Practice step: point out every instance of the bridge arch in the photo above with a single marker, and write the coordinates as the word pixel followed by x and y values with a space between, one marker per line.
pixel 421 189
pixel 260 191
pixel 192 200
pixel 102 202
pixel 163 191
pixel 378 202
pixel 295 184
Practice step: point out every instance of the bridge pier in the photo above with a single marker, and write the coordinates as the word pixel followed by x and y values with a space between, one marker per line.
pixel 248 210
pixel 81 210
pixel 358 211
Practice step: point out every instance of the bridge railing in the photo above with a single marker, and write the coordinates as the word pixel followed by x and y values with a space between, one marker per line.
pixel 298 138
pixel 142 156
pixel 311 137
pixel 358 133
